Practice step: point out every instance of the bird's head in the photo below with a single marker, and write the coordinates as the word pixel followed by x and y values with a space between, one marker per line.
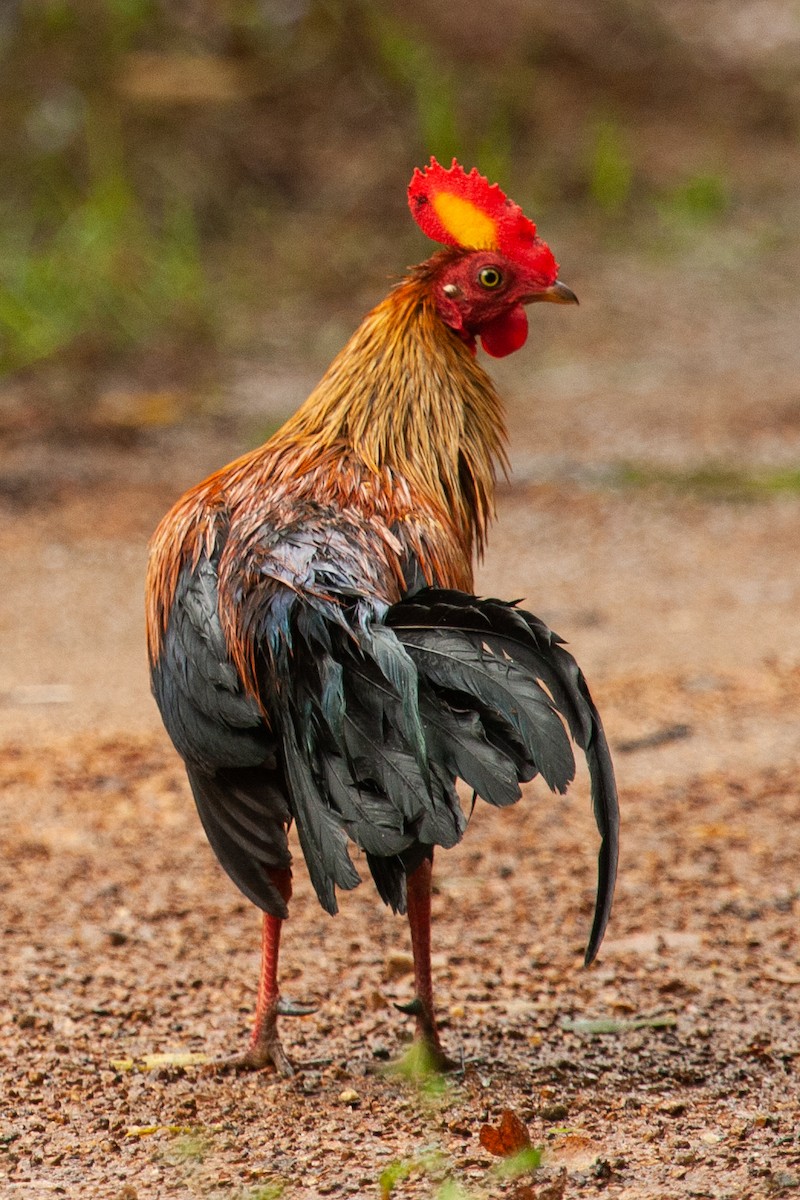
pixel 497 264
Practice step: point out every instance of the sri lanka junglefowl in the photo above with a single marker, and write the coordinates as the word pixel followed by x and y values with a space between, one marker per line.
pixel 317 652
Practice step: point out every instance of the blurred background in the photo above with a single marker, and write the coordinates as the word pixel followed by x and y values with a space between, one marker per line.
pixel 201 198
pixel 191 181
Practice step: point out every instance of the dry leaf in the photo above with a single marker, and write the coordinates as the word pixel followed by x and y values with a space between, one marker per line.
pixel 143 1131
pixel 508 1138
pixel 621 1025
pixel 153 1062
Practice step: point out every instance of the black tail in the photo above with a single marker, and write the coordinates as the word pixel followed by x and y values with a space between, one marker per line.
pixel 384 716
pixel 492 680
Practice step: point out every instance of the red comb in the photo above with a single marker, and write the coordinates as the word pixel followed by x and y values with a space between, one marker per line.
pixel 460 209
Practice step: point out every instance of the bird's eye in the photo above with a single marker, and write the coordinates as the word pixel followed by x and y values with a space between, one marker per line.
pixel 489 277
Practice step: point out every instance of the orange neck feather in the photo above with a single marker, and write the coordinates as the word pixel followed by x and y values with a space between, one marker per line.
pixel 406 394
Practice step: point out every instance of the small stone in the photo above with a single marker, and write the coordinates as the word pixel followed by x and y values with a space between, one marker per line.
pixel 785 1179
pixel 554 1112
pixel 398 965
pixel 36 1077
pixel 673 1108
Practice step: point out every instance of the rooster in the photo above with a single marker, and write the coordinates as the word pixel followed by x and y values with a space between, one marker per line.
pixel 316 649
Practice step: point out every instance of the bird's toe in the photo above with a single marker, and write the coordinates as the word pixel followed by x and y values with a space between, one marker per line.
pixel 256 1058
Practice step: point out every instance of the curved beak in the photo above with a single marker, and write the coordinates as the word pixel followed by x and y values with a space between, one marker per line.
pixel 557 293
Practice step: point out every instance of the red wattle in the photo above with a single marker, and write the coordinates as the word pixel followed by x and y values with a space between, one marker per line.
pixel 505 334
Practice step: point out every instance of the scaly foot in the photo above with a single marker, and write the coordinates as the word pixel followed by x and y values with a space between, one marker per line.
pixel 265 1049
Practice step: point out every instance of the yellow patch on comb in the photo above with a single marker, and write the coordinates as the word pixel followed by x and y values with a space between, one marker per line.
pixel 467 224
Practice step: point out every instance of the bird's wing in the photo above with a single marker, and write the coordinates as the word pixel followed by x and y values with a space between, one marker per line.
pixel 221 733
pixel 208 715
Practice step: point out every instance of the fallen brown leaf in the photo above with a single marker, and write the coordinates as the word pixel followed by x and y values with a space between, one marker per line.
pixel 506 1139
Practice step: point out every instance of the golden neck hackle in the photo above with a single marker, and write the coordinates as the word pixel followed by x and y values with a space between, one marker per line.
pixel 406 395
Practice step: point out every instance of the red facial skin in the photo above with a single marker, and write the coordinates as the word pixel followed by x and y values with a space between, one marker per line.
pixel 494 314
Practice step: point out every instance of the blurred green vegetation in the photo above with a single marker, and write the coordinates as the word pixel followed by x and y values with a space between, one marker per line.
pixel 434 1095
pixel 714 481
pixel 610 171
pixel 103 273
pixel 171 169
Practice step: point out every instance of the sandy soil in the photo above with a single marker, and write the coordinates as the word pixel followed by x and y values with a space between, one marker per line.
pixel 123 939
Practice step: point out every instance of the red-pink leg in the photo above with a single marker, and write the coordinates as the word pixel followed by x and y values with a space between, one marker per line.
pixel 264 1048
pixel 418 892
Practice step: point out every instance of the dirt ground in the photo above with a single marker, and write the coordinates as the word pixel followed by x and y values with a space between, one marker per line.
pixel 670 1069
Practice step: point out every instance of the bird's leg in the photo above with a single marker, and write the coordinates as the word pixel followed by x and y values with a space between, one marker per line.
pixel 418 894
pixel 264 1048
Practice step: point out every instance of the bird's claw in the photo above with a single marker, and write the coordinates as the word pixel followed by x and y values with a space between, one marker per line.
pixel 413 1008
pixel 265 1049
pixel 256 1058
pixel 288 1008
